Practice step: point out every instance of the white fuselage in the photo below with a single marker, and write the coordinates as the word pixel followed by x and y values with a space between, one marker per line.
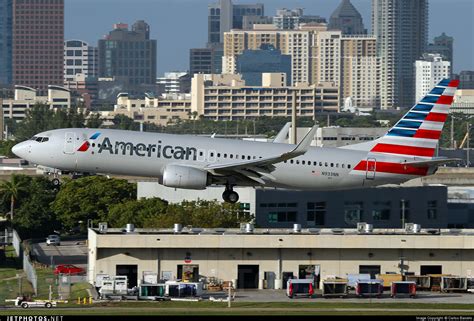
pixel 147 154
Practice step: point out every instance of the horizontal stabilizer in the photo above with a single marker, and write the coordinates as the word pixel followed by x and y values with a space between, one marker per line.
pixel 433 162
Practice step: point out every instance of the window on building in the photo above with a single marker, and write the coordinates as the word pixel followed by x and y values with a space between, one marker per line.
pixel 381 211
pixel 353 212
pixel 432 210
pixel 281 217
pixel 316 212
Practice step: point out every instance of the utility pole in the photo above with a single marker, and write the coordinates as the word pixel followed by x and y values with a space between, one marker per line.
pixel 403 212
pixel 468 163
pixel 452 132
pixel 293 120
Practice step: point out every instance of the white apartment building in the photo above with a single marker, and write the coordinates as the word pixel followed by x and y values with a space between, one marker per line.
pixel 360 71
pixel 26 97
pixel 159 111
pixel 428 72
pixel 79 58
pixel 226 97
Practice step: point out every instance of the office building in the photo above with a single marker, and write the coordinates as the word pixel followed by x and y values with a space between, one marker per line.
pixel 79 59
pixel 401 29
pixel 205 60
pixel 443 45
pixel 224 16
pixel 6 38
pixel 128 55
pixel 174 82
pixel 463 102
pixel 26 98
pixel 248 22
pixel 360 71
pixel 347 19
pixel 251 64
pixel 290 19
pixel 38 43
pixel 428 72
pixel 466 79
pixel 227 97
pixel 327 57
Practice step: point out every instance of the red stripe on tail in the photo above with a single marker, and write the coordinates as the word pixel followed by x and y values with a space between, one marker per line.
pixel 427 133
pixel 404 150
pixel 437 117
pixel 446 100
pixel 393 168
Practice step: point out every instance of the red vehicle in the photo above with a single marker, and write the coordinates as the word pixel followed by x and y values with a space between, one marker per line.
pixel 68 269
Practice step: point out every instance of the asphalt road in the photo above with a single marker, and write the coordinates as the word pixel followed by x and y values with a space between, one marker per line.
pixel 69 252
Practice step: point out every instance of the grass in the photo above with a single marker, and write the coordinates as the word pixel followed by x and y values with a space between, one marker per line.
pixel 254 308
pixel 79 290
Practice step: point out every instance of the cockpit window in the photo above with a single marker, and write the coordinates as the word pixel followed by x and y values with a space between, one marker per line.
pixel 40 139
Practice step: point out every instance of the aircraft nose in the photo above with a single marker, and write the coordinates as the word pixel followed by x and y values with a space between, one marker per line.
pixel 20 149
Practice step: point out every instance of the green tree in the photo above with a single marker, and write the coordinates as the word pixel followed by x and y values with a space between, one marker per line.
pixel 90 198
pixel 34 217
pixel 138 212
pixel 93 121
pixel 124 122
pixel 12 190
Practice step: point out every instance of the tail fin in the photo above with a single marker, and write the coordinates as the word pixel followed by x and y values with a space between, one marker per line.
pixel 418 132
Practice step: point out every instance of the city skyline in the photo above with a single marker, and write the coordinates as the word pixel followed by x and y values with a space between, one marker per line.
pixel 174 55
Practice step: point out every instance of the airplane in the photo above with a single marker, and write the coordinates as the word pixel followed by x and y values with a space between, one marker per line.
pixel 405 152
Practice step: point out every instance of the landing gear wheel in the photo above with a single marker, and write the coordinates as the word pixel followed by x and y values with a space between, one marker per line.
pixel 225 196
pixel 230 196
pixel 233 197
pixel 56 182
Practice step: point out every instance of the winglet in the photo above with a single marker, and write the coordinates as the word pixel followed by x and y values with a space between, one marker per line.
pixel 303 146
pixel 280 137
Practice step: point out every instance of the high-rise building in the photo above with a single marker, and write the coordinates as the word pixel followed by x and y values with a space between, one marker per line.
pixel 347 19
pixel 224 16
pixel 466 79
pixel 428 72
pixel 292 19
pixel 79 58
pixel 128 55
pixel 359 71
pixel 6 35
pixel 205 61
pixel 38 43
pixel 443 45
pixel 401 29
pixel 251 64
pixel 296 43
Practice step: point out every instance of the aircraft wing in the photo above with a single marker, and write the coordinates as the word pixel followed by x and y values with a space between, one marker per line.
pixel 433 162
pixel 263 166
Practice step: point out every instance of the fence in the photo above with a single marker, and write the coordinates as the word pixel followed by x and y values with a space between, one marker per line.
pixel 65 282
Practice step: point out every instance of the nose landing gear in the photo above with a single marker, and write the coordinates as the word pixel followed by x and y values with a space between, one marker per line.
pixel 229 195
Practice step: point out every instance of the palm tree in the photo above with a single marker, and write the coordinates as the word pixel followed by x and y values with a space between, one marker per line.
pixel 11 190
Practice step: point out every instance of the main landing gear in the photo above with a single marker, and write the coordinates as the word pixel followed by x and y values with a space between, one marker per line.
pixel 229 195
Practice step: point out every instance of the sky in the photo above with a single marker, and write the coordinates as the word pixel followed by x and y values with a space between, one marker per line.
pixel 179 25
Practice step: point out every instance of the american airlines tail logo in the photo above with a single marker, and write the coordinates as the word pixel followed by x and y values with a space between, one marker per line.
pixel 85 146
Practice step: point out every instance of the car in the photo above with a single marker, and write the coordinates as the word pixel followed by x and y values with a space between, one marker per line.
pixel 53 240
pixel 68 269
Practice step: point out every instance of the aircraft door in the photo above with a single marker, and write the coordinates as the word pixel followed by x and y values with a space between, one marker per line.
pixel 371 168
pixel 69 143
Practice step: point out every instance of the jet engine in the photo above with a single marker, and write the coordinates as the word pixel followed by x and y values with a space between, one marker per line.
pixel 184 177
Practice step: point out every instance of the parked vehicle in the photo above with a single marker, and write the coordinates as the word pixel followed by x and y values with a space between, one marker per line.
pixel 403 288
pixel 25 304
pixel 53 240
pixel 68 269
pixel 299 287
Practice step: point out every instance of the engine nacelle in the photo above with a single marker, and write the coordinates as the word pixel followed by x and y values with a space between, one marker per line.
pixel 184 177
